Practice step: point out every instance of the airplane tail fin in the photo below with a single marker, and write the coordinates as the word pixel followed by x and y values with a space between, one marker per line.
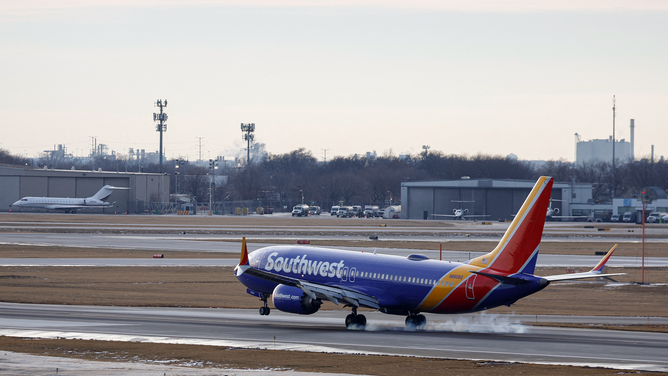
pixel 518 249
pixel 104 193
pixel 244 264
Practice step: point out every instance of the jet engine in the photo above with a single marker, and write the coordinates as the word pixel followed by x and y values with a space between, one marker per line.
pixel 555 210
pixel 294 300
pixel 466 210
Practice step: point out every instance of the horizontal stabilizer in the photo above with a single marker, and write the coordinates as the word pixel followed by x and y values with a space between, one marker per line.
pixel 503 279
pixel 597 271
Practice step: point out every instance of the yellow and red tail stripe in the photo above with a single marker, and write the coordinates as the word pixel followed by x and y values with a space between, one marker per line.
pixel 244 252
pixel 521 240
pixel 601 264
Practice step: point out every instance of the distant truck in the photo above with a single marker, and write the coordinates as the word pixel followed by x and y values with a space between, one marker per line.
pixel 300 210
pixel 629 217
pixel 357 211
pixel 344 212
pixel 392 212
pixel 314 210
pixel 334 210
pixel 371 211
pixel 656 217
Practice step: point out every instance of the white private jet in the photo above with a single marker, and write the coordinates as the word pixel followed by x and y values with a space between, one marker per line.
pixel 552 214
pixel 69 205
pixel 461 213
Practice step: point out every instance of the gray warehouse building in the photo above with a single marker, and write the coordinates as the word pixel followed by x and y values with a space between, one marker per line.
pixel 496 199
pixel 16 183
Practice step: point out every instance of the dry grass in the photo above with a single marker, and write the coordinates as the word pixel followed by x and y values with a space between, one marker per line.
pixel 213 356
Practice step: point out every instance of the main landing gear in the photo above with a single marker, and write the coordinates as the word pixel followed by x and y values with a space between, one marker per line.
pixel 264 310
pixel 416 321
pixel 355 319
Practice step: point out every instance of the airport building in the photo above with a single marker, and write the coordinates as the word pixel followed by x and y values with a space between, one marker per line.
pixel 16 183
pixel 601 149
pixel 493 198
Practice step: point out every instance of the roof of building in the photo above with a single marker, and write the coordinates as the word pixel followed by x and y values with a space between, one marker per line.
pixel 485 183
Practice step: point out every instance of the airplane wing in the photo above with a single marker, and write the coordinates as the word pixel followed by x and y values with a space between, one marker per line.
pixel 595 272
pixel 443 215
pixel 476 215
pixel 66 207
pixel 334 294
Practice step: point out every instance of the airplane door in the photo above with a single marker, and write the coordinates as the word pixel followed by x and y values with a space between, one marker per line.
pixel 353 272
pixel 344 274
pixel 470 282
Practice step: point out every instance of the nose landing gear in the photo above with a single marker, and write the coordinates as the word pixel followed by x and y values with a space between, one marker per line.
pixel 264 310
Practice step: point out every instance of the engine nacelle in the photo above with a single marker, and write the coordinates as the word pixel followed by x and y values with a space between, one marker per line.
pixel 555 210
pixel 466 210
pixel 294 300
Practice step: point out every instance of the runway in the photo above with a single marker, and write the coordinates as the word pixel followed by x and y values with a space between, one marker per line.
pixel 473 336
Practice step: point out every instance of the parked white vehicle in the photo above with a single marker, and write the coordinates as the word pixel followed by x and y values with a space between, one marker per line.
pixel 629 217
pixel 656 217
pixel 300 210
pixel 334 210
pixel 344 211
pixel 392 212
pixel 371 211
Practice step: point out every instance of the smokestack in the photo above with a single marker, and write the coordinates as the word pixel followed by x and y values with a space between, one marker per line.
pixel 633 126
pixel 652 154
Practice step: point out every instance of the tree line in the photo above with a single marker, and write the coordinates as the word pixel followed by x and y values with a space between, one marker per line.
pixel 297 175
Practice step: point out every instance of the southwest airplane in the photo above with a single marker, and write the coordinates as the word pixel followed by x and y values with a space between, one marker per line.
pixel 69 205
pixel 300 278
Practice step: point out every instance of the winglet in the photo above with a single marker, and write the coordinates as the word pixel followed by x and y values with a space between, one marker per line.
pixel 601 264
pixel 597 271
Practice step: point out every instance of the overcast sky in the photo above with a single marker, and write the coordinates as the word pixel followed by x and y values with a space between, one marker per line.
pixel 464 77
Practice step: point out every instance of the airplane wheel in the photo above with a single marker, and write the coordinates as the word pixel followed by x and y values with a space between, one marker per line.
pixel 421 321
pixel 350 319
pixel 361 320
pixel 262 311
pixel 416 321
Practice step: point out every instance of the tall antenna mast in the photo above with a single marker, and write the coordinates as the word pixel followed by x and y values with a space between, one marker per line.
pixel 199 142
pixel 614 172
pixel 162 126
pixel 248 136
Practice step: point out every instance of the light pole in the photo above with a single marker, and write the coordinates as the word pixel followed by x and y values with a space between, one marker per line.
pixel 162 126
pixel 248 136
pixel 176 173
